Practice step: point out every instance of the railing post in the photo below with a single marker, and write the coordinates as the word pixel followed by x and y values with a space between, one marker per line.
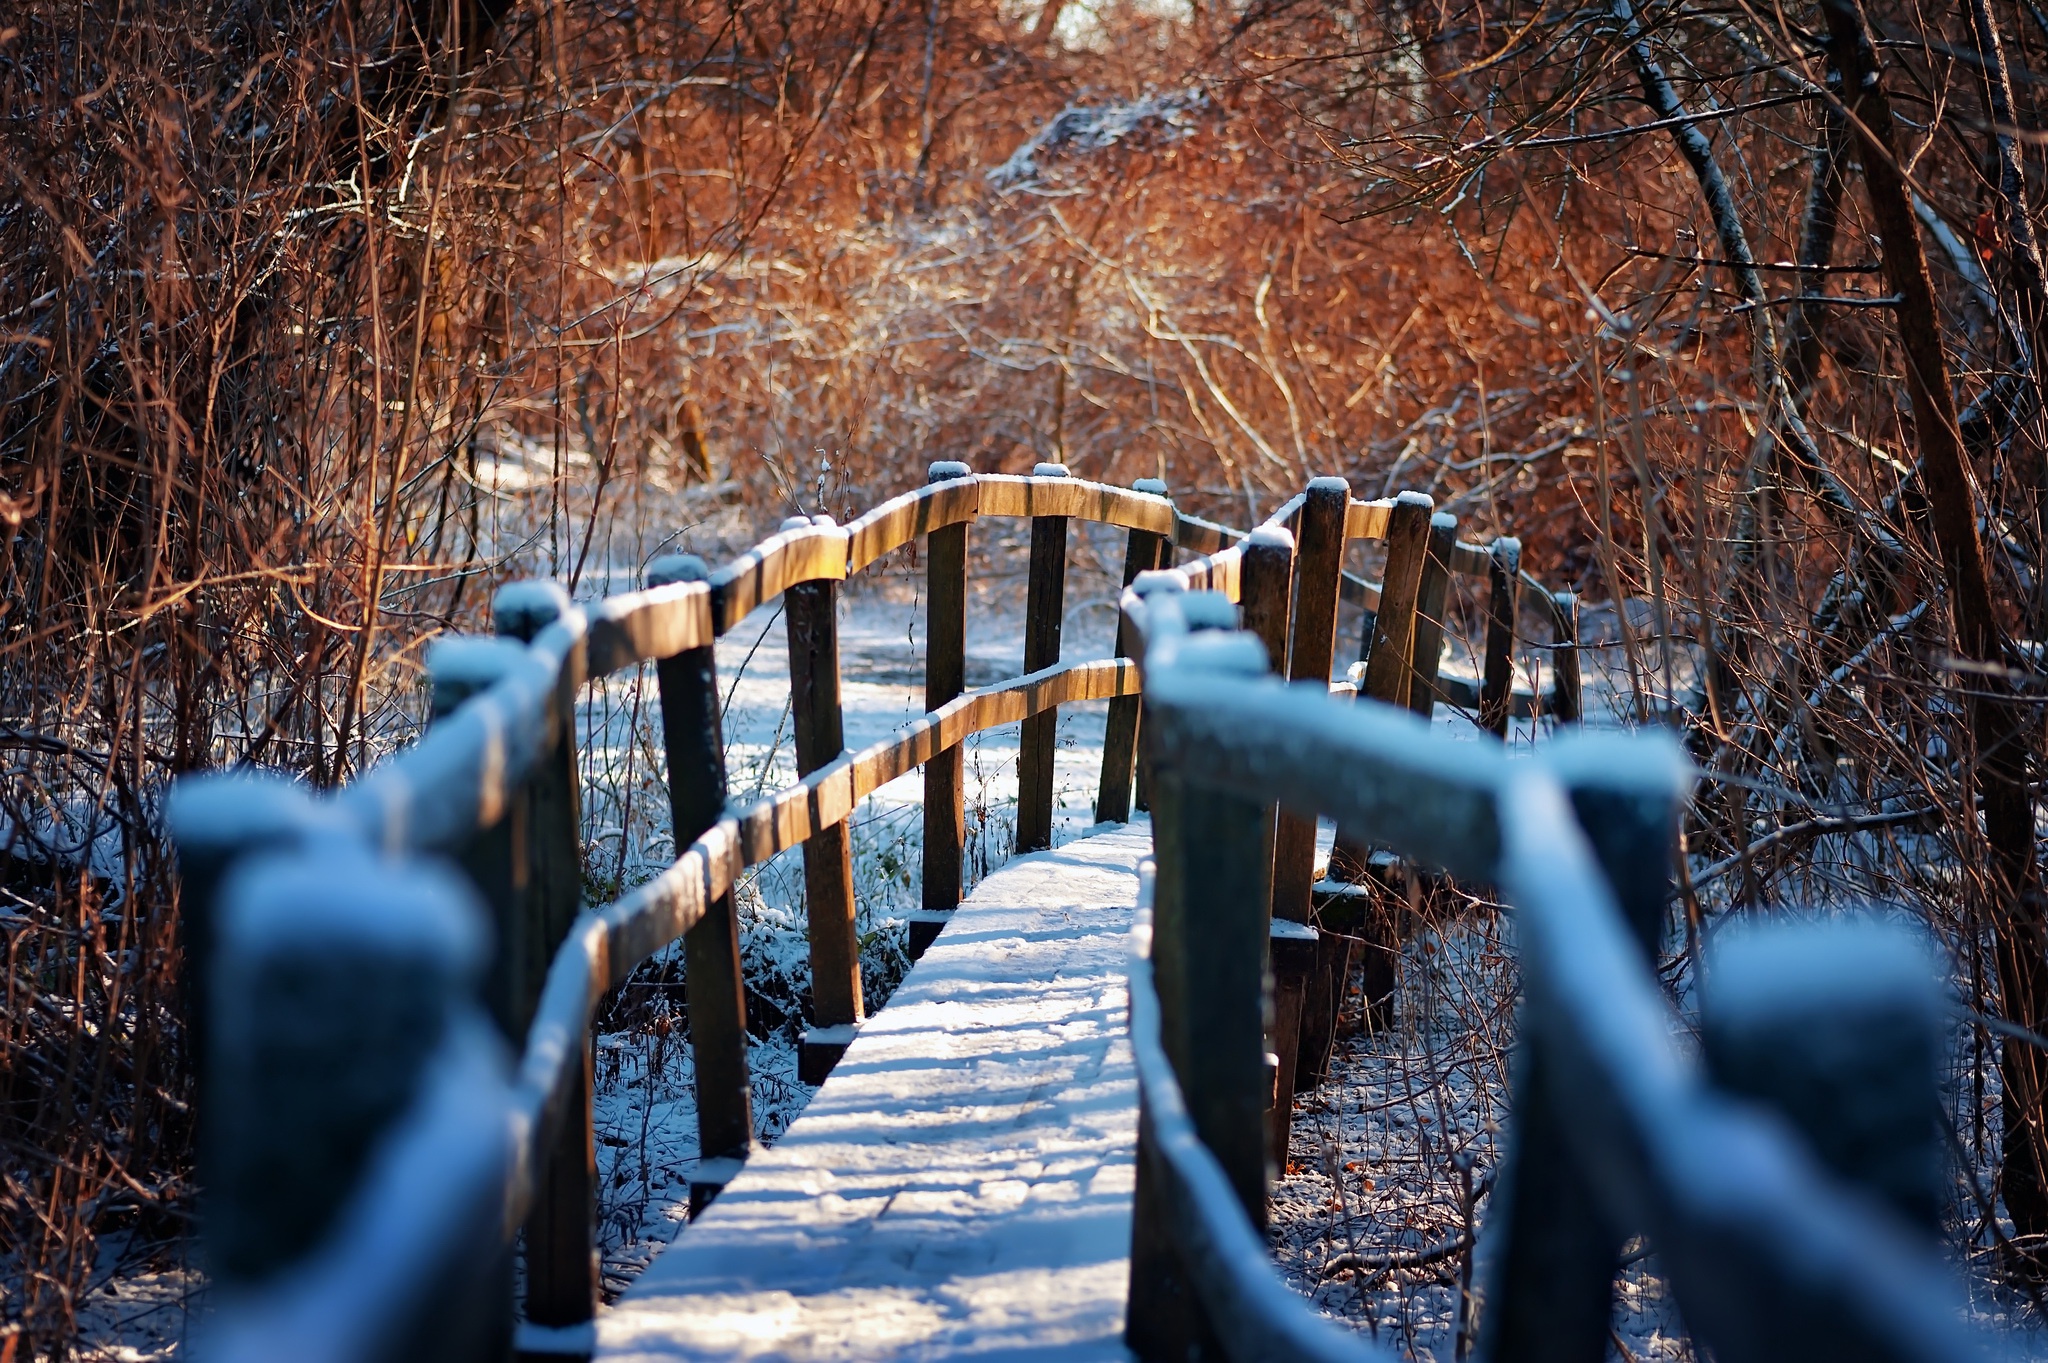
pixel 695 747
pixel 1144 553
pixel 1428 645
pixel 561 1230
pixel 216 821
pixel 498 859
pixel 1044 610
pixel 1503 593
pixel 1307 655
pixel 1210 945
pixel 1166 1316
pixel 1266 588
pixel 1388 650
pixel 1389 645
pixel 1324 957
pixel 1564 658
pixel 811 613
pixel 338 976
pixel 945 677
pixel 1551 1298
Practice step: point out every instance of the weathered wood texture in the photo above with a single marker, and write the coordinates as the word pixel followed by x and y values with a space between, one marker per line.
pixel 1386 650
pixel 1503 595
pixel 1310 652
pixel 561 1230
pixel 695 748
pixel 1145 552
pixel 945 677
pixel 811 614
pixel 497 858
pixel 1564 658
pixel 1215 858
pixel 1432 597
pixel 1044 614
pixel 1552 1300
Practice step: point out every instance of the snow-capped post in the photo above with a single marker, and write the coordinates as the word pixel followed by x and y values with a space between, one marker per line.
pixel 1307 644
pixel 945 677
pixel 811 615
pixel 1376 916
pixel 1311 651
pixel 1838 1027
pixel 1503 594
pixel 1144 552
pixel 1555 1257
pixel 1214 852
pixel 695 748
pixel 1427 646
pixel 1266 576
pixel 1045 604
pixel 1564 658
pixel 1385 651
pixel 497 858
pixel 337 978
pixel 217 820
pixel 561 1229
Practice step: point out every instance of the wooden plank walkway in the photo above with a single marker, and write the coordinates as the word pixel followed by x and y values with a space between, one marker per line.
pixel 961 1185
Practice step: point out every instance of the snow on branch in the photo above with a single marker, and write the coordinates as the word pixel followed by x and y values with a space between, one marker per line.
pixel 1153 120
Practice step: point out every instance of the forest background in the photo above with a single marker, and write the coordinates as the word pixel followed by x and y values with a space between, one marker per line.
pixel 291 290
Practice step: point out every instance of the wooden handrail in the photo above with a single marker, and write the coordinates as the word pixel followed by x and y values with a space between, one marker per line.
pixel 1620 1132
pixel 504 755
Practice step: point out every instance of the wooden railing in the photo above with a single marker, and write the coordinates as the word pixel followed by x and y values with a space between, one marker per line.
pixel 1788 1185
pixel 367 1166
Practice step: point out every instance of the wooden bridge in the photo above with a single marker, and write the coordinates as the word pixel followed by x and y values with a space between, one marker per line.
pixel 1057 1138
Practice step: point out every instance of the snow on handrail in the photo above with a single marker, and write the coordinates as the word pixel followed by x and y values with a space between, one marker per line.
pixel 1772 1258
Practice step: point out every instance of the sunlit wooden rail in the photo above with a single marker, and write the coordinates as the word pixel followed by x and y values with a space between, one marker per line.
pixel 311 1265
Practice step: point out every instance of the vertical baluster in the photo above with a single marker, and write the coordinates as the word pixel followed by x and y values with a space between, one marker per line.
pixel 695 747
pixel 342 979
pixel 1503 593
pixel 498 858
pixel 1551 1298
pixel 945 677
pixel 1210 948
pixel 1837 1026
pixel 1426 656
pixel 1266 589
pixel 1391 642
pixel 1564 658
pixel 1388 650
pixel 217 820
pixel 1306 657
pixel 811 613
pixel 561 1230
pixel 1312 644
pixel 1044 610
pixel 1141 785
pixel 1143 553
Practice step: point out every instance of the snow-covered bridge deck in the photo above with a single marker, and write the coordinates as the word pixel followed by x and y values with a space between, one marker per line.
pixel 961 1186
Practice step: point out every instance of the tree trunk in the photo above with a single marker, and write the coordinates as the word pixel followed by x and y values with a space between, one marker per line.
pixel 1998 728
